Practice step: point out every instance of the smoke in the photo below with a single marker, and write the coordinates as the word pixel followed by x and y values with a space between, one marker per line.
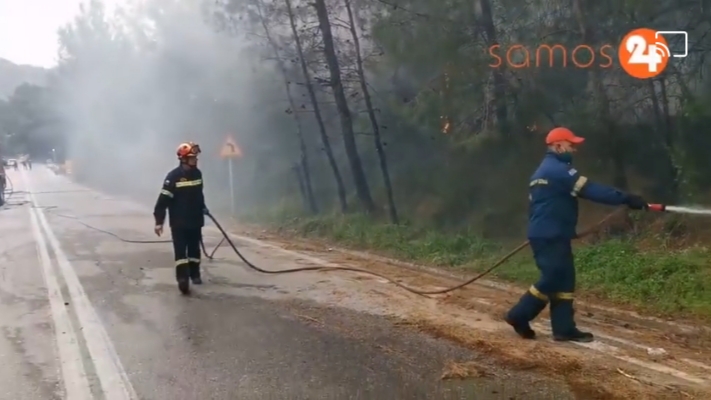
pixel 134 84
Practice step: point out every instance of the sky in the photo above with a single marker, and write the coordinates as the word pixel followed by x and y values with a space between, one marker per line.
pixel 28 28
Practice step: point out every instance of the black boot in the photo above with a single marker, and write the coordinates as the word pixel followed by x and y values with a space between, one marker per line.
pixel 184 286
pixel 519 317
pixel 523 329
pixel 563 323
pixel 195 273
pixel 182 275
pixel 575 335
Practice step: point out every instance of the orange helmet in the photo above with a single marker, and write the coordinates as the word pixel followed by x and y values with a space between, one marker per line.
pixel 188 149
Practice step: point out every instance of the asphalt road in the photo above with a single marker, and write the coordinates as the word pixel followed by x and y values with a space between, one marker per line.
pixel 84 315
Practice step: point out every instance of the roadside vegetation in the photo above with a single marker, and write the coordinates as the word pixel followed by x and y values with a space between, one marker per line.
pixel 655 269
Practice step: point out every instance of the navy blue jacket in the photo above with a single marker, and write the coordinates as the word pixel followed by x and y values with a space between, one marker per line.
pixel 182 195
pixel 553 193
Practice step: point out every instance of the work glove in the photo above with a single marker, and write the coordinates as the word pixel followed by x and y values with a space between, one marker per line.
pixel 205 211
pixel 636 202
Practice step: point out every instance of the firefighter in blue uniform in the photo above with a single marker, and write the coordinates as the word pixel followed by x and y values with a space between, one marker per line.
pixel 182 195
pixel 553 214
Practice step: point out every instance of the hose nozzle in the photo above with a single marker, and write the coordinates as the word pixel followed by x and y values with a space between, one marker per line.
pixel 657 207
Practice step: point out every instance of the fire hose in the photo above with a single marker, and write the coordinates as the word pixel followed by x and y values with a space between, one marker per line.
pixel 225 237
pixel 124 240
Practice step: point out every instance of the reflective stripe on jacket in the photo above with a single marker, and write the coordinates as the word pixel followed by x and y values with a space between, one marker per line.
pixel 182 195
pixel 553 193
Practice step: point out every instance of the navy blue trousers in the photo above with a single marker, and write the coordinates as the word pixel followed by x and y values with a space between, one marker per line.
pixel 554 259
pixel 186 247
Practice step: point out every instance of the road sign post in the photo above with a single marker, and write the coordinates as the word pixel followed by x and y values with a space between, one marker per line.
pixel 230 151
pixel 232 185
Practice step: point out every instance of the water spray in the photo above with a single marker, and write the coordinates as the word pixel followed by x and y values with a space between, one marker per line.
pixel 680 209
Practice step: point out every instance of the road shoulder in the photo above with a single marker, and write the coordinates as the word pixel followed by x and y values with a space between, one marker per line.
pixel 634 355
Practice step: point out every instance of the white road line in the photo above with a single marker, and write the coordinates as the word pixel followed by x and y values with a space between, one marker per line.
pixel 75 382
pixel 114 380
pixel 606 349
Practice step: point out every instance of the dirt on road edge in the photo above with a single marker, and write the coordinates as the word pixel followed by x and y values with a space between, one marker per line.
pixel 471 318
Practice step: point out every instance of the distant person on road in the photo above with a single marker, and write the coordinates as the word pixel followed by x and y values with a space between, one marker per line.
pixel 3 183
pixel 182 195
pixel 553 215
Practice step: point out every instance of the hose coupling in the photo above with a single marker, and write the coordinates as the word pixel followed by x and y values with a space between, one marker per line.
pixel 657 207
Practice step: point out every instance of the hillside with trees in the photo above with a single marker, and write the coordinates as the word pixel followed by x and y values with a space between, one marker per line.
pixel 382 124
pixel 13 75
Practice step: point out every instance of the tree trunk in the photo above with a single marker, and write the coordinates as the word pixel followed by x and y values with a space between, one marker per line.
pixel 302 186
pixel 359 179
pixel 674 170
pixel 373 120
pixel 304 158
pixel 500 104
pixel 616 145
pixel 664 186
pixel 317 112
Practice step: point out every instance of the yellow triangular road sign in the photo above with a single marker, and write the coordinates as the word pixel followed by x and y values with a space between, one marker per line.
pixel 230 149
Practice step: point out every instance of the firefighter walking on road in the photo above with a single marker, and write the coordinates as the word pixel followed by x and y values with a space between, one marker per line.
pixel 182 195
pixel 553 215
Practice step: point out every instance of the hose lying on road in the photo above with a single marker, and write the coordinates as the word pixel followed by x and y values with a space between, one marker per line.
pixel 79 221
pixel 10 191
pixel 468 282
